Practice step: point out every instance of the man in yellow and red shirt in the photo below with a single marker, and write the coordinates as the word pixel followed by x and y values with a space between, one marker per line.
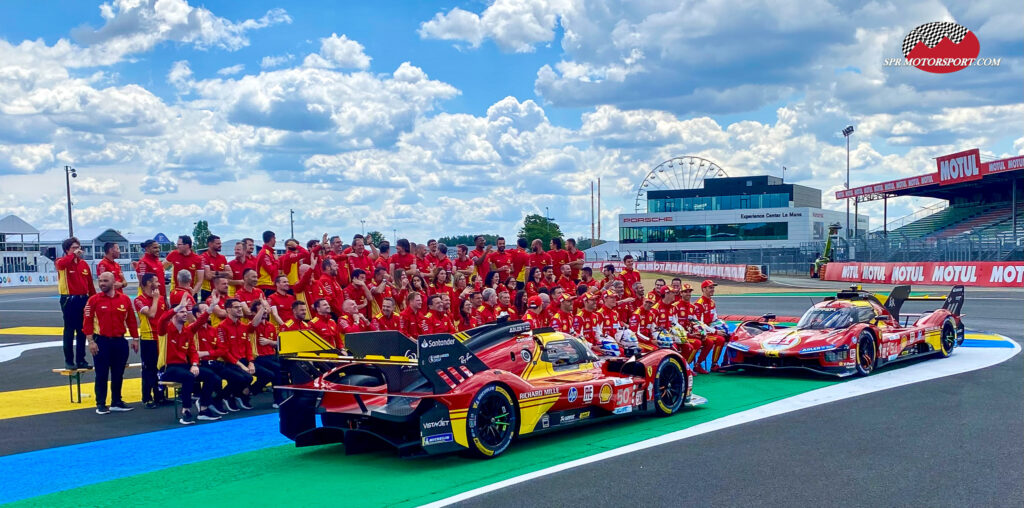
pixel 107 318
pixel 151 306
pixel 289 262
pixel 520 262
pixel 74 282
pixel 109 263
pixel 481 257
pixel 435 319
pixel 704 310
pixel 629 276
pixel 216 265
pixel 562 319
pixel 266 264
pixel 150 263
pixel 387 319
pixel 183 258
pixel 238 266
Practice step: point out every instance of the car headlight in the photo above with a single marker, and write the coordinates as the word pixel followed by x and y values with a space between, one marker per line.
pixel 838 355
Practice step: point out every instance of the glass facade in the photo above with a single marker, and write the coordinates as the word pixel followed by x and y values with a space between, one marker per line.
pixel 745 201
pixel 705 233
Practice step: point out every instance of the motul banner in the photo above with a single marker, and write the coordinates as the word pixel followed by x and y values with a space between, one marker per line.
pixel 988 274
pixel 710 271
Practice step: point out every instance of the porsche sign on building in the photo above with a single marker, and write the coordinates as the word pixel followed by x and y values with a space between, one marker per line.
pixel 753 212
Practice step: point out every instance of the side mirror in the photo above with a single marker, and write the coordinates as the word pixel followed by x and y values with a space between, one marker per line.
pixel 883 319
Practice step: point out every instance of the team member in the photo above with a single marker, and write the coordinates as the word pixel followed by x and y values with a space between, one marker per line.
pixel 642 323
pixel 327 286
pixel 266 359
pixel 532 314
pixel 215 265
pixel 505 306
pixel 501 261
pixel 562 319
pixel 289 262
pixel 549 280
pixel 182 291
pixel 412 317
pixel 359 257
pixel 266 264
pixel 108 315
pixel 218 296
pixel 352 321
pixel 481 256
pixel 181 354
pixel 402 259
pixel 664 314
pixel 704 310
pixel 74 282
pixel 610 318
pixel 302 319
pixel 576 258
pixel 209 351
pixel 520 262
pixel 323 323
pixel 685 314
pixel 629 276
pixel 185 259
pixel 387 319
pixel 435 320
pixel 236 351
pixel 486 310
pixel 586 322
pixel 608 271
pixel 463 265
pixel 538 258
pixel 238 265
pixel 281 301
pixel 111 252
pixel 150 263
pixel 248 293
pixel 558 256
pixel 465 320
pixel 150 306
pixel 359 292
pixel 565 280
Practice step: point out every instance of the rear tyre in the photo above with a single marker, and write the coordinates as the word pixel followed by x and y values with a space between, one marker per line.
pixel 867 353
pixel 948 339
pixel 669 387
pixel 491 421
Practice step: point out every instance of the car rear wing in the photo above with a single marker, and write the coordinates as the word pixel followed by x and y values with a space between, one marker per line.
pixel 954 301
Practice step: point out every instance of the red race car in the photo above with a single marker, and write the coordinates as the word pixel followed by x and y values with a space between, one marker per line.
pixel 478 390
pixel 852 333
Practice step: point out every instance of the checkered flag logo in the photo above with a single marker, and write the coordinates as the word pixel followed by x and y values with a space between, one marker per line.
pixel 932 33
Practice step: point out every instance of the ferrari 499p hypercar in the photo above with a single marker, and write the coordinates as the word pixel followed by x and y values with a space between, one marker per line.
pixel 852 333
pixel 477 390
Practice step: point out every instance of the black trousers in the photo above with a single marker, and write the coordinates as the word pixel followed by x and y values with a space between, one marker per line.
pixel 208 375
pixel 151 390
pixel 180 373
pixel 271 367
pixel 238 380
pixel 73 308
pixel 111 360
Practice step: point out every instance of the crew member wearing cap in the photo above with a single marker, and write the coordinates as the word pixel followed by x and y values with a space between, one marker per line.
pixel 663 314
pixel 587 320
pixel 609 315
pixel 704 310
pixel 641 322
pixel 562 319
pixel 532 314
pixel 107 316
pixel 685 313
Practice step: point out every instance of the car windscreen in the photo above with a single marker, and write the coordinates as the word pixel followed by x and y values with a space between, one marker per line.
pixel 834 317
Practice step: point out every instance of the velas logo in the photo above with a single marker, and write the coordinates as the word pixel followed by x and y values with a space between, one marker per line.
pixel 941 47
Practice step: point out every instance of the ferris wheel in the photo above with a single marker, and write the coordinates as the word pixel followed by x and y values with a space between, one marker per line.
pixel 687 172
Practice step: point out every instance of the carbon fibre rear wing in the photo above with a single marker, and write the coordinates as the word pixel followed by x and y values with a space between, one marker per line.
pixel 954 301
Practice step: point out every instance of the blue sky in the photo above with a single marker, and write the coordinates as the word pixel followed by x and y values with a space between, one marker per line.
pixel 436 118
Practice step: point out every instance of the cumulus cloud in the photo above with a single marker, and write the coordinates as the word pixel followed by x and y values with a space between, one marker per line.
pixel 232 70
pixel 514 25
pixel 157 184
pixel 271 61
pixel 338 52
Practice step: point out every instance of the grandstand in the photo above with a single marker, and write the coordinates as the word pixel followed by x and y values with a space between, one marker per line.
pixel 951 221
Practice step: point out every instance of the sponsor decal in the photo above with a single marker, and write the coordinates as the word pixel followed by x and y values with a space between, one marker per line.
pixel 584 415
pixel 572 394
pixel 438 439
pixel 620 381
pixel 437 342
pixel 519 328
pixel 588 393
pixel 437 424
pixel 465 358
pixel 606 393
pixel 650 371
pixel 782 343
pixel 545 421
pixel 622 410
pixel 959 167
pixel 980 273
pixel 639 398
pixel 526 355
pixel 436 358
pixel 567 419
pixel 539 393
pixel 624 396
pixel 816 349
pixel 650 391
pixel 939 47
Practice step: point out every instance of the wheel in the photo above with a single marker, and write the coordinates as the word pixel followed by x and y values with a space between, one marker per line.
pixel 948 339
pixel 491 421
pixel 670 384
pixel 867 353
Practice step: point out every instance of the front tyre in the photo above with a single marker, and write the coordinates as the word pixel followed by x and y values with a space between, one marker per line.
pixel 867 353
pixel 948 339
pixel 491 421
pixel 670 387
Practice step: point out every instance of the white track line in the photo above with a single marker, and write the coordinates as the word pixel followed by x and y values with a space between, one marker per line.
pixel 963 360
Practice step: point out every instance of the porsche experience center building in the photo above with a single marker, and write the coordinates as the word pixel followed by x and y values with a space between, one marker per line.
pixel 728 213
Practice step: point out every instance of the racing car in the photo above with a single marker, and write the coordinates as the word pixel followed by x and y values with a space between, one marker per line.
pixel 474 391
pixel 853 333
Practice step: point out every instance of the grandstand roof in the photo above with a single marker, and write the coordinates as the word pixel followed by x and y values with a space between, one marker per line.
pixel 945 183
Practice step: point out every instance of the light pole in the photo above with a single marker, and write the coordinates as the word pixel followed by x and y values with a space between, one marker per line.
pixel 291 220
pixel 363 222
pixel 394 235
pixel 69 173
pixel 846 134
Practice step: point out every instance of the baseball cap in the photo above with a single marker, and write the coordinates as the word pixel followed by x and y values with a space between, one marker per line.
pixel 534 302
pixel 663 290
pixel 609 294
pixel 567 297
pixel 687 287
pixel 650 299
pixel 590 296
pixel 707 283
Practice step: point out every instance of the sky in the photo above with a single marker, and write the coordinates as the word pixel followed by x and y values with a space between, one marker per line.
pixel 437 118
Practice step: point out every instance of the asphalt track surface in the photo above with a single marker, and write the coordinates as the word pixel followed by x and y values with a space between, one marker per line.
pixel 951 441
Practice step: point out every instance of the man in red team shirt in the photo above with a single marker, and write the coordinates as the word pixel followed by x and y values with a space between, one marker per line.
pixel 108 315
pixel 352 320
pixel 266 263
pixel 387 319
pixel 359 257
pixel 558 256
pixel 267 364
pixel 182 291
pixel 327 286
pixel 501 261
pixel 74 282
pixel 565 280
pixel 323 323
pixel 281 301
pixel 237 267
pixel 538 258
pixel 412 318
pixel 111 252
pixel 481 256
pixel 359 292
pixel 587 277
pixel 288 263
pixel 237 366
pixel 216 265
pixel 248 293
pixel 150 263
pixel 586 322
pixel 181 354
pixel 435 319
pixel 629 276
pixel 704 310
pixel 183 258
pixel 486 309
pixel 532 314
pixel 642 323
pixel 576 258
pixel 463 264
pixel 440 256
pixel 562 319
pixel 520 262
pixel 151 306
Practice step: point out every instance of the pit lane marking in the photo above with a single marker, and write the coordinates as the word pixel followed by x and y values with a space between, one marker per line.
pixel 963 360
